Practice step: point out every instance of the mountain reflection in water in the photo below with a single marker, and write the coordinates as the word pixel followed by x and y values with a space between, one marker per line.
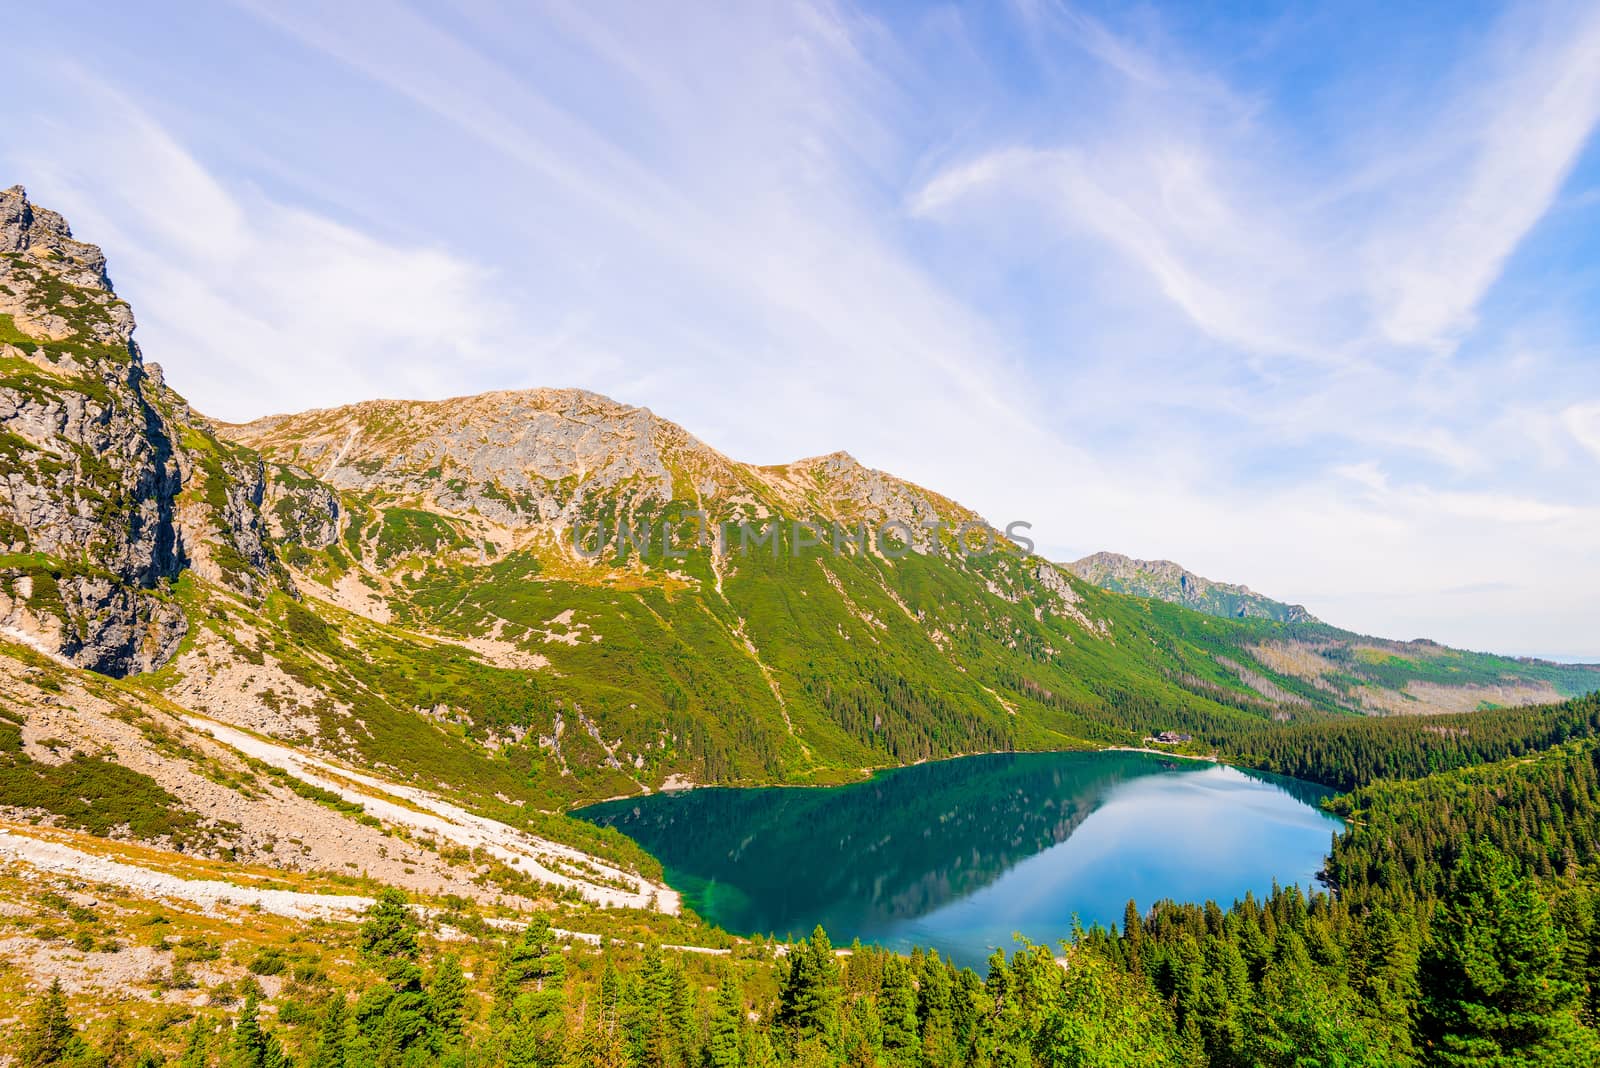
pixel 960 854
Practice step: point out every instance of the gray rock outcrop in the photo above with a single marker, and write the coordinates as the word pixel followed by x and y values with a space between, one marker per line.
pixel 109 486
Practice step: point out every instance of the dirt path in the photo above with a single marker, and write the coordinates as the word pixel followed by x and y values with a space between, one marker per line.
pixel 211 895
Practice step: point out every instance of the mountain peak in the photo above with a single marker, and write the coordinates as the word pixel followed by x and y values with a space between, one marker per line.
pixel 528 458
pixel 837 458
pixel 44 237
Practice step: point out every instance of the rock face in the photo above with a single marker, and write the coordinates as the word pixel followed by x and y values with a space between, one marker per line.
pixel 111 486
pixel 517 459
pixel 1167 581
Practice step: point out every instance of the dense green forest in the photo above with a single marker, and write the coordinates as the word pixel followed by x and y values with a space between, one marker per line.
pixel 1345 751
pixel 1461 927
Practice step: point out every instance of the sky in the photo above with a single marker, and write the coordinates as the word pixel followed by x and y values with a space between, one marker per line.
pixel 1305 298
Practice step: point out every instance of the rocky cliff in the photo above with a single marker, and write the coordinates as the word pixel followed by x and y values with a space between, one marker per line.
pixel 110 488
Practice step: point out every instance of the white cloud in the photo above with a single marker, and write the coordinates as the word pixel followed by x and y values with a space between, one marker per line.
pixel 1583 423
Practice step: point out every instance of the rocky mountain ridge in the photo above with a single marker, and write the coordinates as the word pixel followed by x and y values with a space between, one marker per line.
pixel 1176 584
pixel 520 461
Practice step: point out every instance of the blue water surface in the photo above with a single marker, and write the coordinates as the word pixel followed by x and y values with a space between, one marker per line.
pixel 961 855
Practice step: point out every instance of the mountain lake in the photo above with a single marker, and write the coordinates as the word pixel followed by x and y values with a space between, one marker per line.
pixel 961 855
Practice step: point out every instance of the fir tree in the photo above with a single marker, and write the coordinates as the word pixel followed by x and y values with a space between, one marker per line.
pixel 248 1047
pixel 389 934
pixel 531 971
pixel 118 1048
pixel 809 995
pixel 195 1050
pixel 1491 989
pixel 530 996
pixel 332 1034
pixel 1106 1017
pixel 897 1011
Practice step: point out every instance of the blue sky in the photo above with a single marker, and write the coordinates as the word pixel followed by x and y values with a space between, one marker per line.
pixel 1303 298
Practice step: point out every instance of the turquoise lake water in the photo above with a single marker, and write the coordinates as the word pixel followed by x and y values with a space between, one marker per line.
pixel 959 855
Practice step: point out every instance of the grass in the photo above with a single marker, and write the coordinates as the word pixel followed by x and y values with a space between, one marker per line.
pixel 91 793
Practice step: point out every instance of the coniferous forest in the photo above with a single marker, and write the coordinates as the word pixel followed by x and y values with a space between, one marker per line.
pixel 1459 925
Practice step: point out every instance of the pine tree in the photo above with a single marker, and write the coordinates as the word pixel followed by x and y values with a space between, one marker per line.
pixel 808 1003
pixel 1133 935
pixel 531 970
pixel 447 997
pixel 1385 961
pixel 935 1012
pixel 758 1051
pixel 861 1034
pixel 1303 1020
pixel 601 1046
pixel 1226 1001
pixel 897 1010
pixel 194 1053
pixel 332 1034
pixel 49 1038
pixel 389 934
pixel 681 1022
pixel 1574 911
pixel 248 1047
pixel 1106 1018
pixel 724 1048
pixel 358 1052
pixel 118 1051
pixel 530 996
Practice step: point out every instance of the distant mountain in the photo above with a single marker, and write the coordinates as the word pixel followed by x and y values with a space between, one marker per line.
pixel 1176 584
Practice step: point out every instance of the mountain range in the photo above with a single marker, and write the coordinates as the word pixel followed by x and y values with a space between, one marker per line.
pixel 272 631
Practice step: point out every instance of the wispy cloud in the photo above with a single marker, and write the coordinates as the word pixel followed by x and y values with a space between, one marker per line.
pixel 263 304
pixel 1158 204
pixel 760 201
pixel 1259 255
pixel 1500 159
